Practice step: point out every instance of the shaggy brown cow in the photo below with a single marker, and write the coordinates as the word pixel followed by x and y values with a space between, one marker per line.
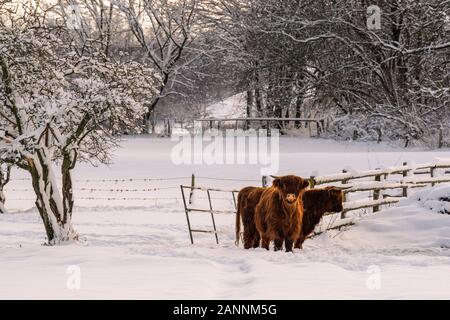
pixel 248 198
pixel 315 203
pixel 279 213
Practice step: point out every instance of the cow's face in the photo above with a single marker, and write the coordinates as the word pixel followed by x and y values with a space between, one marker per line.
pixel 336 197
pixel 291 187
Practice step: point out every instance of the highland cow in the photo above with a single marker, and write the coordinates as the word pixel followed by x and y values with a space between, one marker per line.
pixel 316 202
pixel 279 213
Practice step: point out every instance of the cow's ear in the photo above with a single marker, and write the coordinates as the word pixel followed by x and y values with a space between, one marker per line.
pixel 305 184
pixel 276 183
pixel 335 193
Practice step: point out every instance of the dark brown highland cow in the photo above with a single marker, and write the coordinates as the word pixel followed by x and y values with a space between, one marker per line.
pixel 279 213
pixel 316 202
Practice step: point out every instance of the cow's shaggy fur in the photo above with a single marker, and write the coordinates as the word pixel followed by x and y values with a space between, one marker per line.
pixel 316 202
pixel 279 213
pixel 248 198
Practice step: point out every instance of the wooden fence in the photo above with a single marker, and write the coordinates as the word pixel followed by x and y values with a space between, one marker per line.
pixel 218 123
pixel 401 178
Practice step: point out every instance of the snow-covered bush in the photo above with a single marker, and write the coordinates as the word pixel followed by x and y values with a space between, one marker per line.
pixel 436 199
pixel 350 127
pixel 364 128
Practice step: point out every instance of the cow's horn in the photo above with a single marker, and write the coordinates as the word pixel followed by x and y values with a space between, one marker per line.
pixel 343 188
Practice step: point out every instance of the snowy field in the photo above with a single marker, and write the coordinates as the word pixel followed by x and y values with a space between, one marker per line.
pixel 136 245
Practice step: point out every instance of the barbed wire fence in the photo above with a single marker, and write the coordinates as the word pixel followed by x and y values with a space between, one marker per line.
pixel 131 189
pixel 370 183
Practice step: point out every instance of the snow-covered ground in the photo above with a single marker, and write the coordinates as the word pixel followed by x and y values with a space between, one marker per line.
pixel 136 243
pixel 231 107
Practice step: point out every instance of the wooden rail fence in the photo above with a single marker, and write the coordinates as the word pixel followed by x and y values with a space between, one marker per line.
pixel 218 122
pixel 402 178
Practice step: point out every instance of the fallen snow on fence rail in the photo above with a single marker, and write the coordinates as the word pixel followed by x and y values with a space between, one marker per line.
pixel 360 204
pixel 355 174
pixel 379 185
pixel 427 180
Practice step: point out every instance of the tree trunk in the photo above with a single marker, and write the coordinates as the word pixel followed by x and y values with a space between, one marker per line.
pixel 259 102
pixel 2 207
pixel 68 165
pixel 250 99
pixel 298 110
pixel 4 179
pixel 277 113
pixel 2 201
pixel 55 213
pixel 380 134
pixel 150 123
pixel 149 116
pixel 298 114
pixel 250 106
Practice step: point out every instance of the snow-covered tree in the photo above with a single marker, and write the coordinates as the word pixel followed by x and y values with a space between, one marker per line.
pixel 59 106
pixel 299 57
pixel 163 29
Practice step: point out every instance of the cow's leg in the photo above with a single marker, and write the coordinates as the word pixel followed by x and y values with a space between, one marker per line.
pixel 299 243
pixel 255 237
pixel 248 239
pixel 248 220
pixel 265 241
pixel 288 243
pixel 278 243
pixel 256 240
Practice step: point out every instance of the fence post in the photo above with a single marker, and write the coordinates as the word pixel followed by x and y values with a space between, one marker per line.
pixel 441 138
pixel 169 127
pixel 405 188
pixel 376 194
pixel 212 216
pixel 186 210
pixel 312 182
pixel 264 181
pixel 234 200
pixel 344 195
pixel 191 194
pixel 432 170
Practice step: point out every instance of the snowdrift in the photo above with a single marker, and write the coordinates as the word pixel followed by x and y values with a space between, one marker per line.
pixel 436 199
pixel 417 222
